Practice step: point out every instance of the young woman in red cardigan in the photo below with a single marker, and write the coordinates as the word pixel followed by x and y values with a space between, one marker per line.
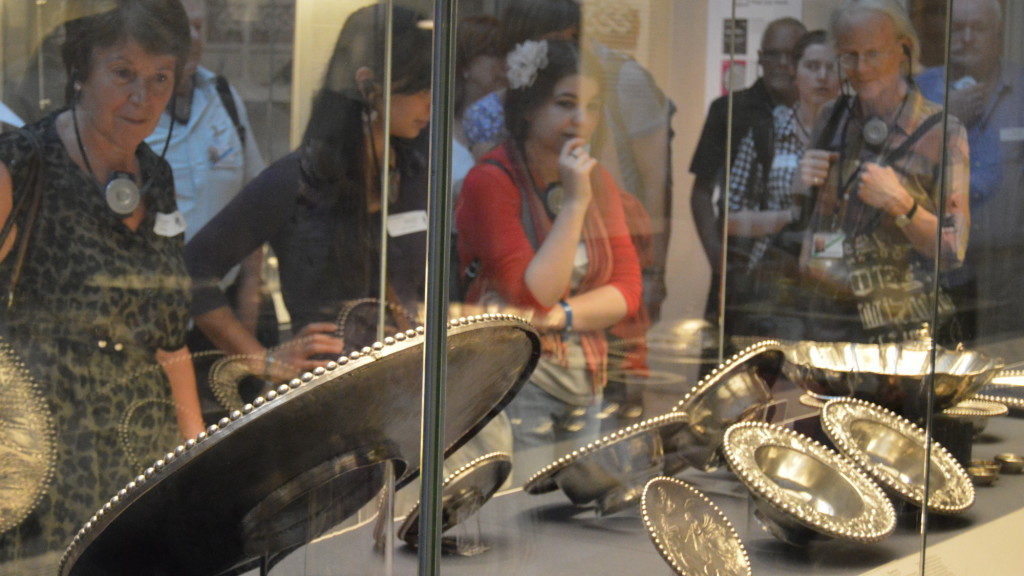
pixel 541 228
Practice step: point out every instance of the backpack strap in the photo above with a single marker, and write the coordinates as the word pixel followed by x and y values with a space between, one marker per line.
pixel 228 100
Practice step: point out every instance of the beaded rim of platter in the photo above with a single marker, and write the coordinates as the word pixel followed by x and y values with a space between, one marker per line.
pixel 977 407
pixel 143 481
pixel 31 419
pixel 955 495
pixel 719 374
pixel 877 518
pixel 543 481
pixel 465 473
pixel 726 553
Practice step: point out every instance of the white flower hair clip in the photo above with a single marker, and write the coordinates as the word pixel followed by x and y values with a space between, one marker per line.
pixel 525 61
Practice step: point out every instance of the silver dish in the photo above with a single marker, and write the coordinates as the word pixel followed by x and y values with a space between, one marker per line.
pixel 690 532
pixel 28 452
pixel 895 376
pixel 1007 388
pixel 737 391
pixel 803 491
pixel 463 493
pixel 1010 463
pixel 612 471
pixel 294 463
pixel 982 475
pixel 892 450
pixel 976 412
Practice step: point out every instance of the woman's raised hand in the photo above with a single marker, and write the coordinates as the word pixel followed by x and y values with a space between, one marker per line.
pixel 574 167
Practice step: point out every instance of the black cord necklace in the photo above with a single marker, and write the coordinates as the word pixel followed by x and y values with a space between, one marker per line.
pixel 800 125
pixel 122 193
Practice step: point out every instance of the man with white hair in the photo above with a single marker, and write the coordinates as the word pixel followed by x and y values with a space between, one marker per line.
pixel 987 95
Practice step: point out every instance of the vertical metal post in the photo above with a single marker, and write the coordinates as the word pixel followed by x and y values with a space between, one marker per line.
pixel 435 357
pixel 385 173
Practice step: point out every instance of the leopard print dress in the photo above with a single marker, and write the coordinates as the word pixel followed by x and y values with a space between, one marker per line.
pixel 94 302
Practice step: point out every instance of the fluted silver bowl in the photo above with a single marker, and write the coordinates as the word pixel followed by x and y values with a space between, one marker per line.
pixel 895 376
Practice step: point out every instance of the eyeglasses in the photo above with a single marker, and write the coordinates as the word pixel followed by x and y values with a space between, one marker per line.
pixel 871 58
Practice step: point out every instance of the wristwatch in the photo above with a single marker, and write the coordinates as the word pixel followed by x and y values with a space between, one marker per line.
pixel 903 219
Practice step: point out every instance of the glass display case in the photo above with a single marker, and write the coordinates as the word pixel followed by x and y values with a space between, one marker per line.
pixel 511 286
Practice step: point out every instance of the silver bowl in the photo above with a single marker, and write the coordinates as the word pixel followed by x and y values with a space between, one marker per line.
pixel 1010 463
pixel 892 450
pixel 612 471
pixel 737 391
pixel 976 412
pixel 690 532
pixel 895 376
pixel 803 491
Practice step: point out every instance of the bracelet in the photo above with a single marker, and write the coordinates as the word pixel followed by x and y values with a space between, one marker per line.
pixel 268 363
pixel 568 317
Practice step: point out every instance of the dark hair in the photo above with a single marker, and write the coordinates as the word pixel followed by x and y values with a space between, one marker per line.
pixel 564 59
pixel 532 19
pixel 807 40
pixel 159 26
pixel 334 152
pixel 477 36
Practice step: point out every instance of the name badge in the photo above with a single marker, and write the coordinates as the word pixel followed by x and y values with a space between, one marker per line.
pixel 169 224
pixel 407 223
pixel 1011 134
pixel 827 245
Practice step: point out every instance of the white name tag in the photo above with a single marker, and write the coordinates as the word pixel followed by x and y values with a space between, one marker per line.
pixel 407 223
pixel 827 245
pixel 1011 134
pixel 169 224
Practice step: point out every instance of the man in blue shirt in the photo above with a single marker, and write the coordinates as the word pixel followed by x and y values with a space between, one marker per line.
pixel 987 95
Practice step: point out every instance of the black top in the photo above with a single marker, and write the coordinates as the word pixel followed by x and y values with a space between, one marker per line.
pixel 319 272
pixel 752 108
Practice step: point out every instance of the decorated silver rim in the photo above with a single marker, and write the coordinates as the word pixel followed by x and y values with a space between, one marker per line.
pixel 472 475
pixel 1008 401
pixel 877 518
pixel 1007 388
pixel 704 543
pixel 27 441
pixel 183 452
pixel 956 493
pixel 718 374
pixel 976 407
pixel 544 480
pixel 811 400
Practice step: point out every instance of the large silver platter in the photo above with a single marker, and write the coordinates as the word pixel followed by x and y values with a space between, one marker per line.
pixel 895 376
pixel 737 391
pixel 690 532
pixel 28 448
pixel 1007 388
pixel 803 491
pixel 463 493
pixel 613 470
pixel 892 450
pixel 293 464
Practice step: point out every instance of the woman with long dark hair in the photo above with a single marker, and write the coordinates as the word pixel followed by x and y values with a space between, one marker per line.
pixel 541 228
pixel 320 207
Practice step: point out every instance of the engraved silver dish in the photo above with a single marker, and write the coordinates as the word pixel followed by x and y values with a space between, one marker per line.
pixel 690 532
pixel 28 447
pixel 895 376
pixel 294 463
pixel 976 411
pixel 463 493
pixel 737 391
pixel 803 491
pixel 612 471
pixel 892 450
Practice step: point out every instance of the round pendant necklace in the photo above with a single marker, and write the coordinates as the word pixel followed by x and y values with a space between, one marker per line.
pixel 122 193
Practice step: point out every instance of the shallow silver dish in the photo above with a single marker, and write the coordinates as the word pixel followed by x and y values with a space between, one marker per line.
pixel 1010 463
pixel 1007 388
pixel 737 391
pixel 894 376
pixel 293 464
pixel 976 412
pixel 463 493
pixel 690 532
pixel 803 491
pixel 612 471
pixel 28 452
pixel 892 450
